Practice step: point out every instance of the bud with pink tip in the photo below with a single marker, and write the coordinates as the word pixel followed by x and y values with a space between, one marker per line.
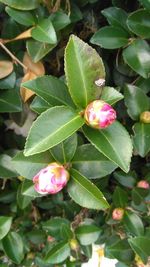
pixel 51 179
pixel 117 214
pixel 143 184
pixel 98 114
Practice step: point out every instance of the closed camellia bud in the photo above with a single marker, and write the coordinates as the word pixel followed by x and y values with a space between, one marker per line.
pixel 117 214
pixel 51 179
pixel 143 184
pixel 145 117
pixel 98 114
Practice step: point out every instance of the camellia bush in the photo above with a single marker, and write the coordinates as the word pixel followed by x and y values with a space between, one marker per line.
pixel 75 132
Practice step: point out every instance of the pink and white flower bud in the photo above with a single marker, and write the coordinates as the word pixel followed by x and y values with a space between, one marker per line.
pixel 51 179
pixel 98 114
pixel 143 184
pixel 117 214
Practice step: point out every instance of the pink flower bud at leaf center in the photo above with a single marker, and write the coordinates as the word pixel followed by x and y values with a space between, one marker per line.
pixel 117 214
pixel 143 184
pixel 98 114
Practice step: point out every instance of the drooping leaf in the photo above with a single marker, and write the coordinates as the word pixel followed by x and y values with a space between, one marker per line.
pixel 85 193
pixel 58 253
pixel 141 246
pixel 141 138
pixel 5 224
pixel 87 68
pixel 109 141
pixel 52 127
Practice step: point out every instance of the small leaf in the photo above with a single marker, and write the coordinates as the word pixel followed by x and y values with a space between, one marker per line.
pixel 45 32
pixel 110 37
pixel 141 247
pixel 87 234
pixel 136 101
pixel 58 253
pixel 116 17
pixel 109 141
pixel 120 197
pixel 10 243
pixel 8 82
pixel 85 193
pixel 6 67
pixel 141 138
pixel 60 20
pixel 137 56
pixel 87 67
pixel 22 17
pixel 133 223
pixel 111 95
pixel 54 126
pixel 5 224
pixel 139 23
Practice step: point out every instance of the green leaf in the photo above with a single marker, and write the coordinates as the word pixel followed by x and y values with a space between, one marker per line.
pixel 137 56
pixel 141 138
pixel 27 189
pixel 5 224
pixel 29 166
pixel 54 226
pixel 22 200
pixel 111 95
pixel 139 195
pixel 6 167
pixel 10 101
pixel 36 236
pixel 87 68
pixel 44 32
pixel 87 234
pixel 39 105
pixel 22 5
pixel 141 247
pixel 51 89
pixel 110 37
pixel 22 17
pixel 58 253
pixel 38 50
pixel 8 82
pixel 85 193
pixel 54 126
pixel 139 23
pixel 128 180
pixel 91 163
pixel 145 3
pixel 116 16
pixel 65 151
pixel 120 197
pixel 136 101
pixel 60 20
pixel 10 243
pixel 109 141
pixel 133 223
pixel 119 250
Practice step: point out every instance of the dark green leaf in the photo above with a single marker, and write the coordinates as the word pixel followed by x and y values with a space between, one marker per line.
pixel 141 247
pixel 60 20
pixel 22 17
pixel 58 253
pixel 133 223
pixel 27 189
pixel 127 180
pixel 22 200
pixel 22 5
pixel 139 195
pixel 6 167
pixel 87 234
pixel 54 226
pixel 111 95
pixel 141 138
pixel 145 3
pixel 8 82
pixel 10 101
pixel 116 16
pixel 5 224
pixel 39 105
pixel 120 197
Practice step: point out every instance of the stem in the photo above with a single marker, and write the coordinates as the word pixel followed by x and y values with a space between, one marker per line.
pixel 12 56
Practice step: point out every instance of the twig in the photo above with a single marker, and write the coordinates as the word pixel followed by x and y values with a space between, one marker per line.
pixel 12 56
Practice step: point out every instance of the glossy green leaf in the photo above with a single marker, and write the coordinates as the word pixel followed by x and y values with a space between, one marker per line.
pixel 139 195
pixel 91 163
pixel 141 247
pixel 143 84
pixel 110 37
pixel 55 225
pixel 7 169
pixel 51 89
pixel 8 82
pixel 22 17
pixel 87 68
pixel 60 20
pixel 39 105
pixel 120 197
pixel 109 141
pixel 38 50
pixel 116 16
pixel 13 247
pixel 27 189
pixel 85 193
pixel 52 127
pixel 139 23
pixel 28 167
pixel 58 253
pixel 66 232
pixel 65 151
pixel 141 138
pixel 111 95
pixel 87 234
pixel 5 224
pixel 10 101
pixel 22 200
pixel 136 101
pixel 128 180
pixel 22 5
pixel 45 32
pixel 137 56
pixel 36 236
pixel 133 223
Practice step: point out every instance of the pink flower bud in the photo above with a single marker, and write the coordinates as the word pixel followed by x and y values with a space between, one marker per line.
pixel 51 179
pixel 117 214
pixel 98 114
pixel 143 184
